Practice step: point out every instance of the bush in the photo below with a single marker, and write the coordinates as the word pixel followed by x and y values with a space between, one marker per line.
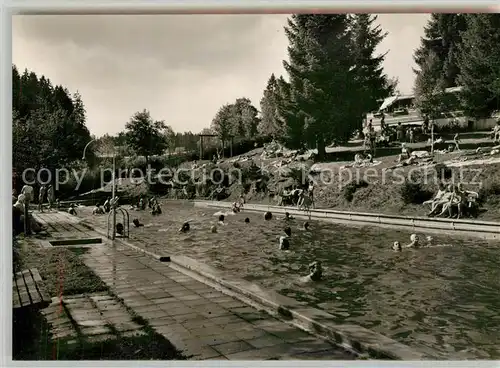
pixel 412 192
pixel 351 188
pixel 489 189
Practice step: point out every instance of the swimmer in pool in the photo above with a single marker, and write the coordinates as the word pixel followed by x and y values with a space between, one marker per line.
pixel 284 243
pixel 306 226
pixel 396 246
pixel 221 220
pixel 213 229
pixel 284 240
pixel 185 227
pixel 315 273
pixel 137 223
pixel 414 241
pixel 287 217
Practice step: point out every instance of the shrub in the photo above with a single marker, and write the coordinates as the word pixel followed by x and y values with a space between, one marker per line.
pixel 413 192
pixel 488 189
pixel 351 188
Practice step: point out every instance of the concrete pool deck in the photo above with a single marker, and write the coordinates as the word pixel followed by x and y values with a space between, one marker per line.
pixel 298 316
pixel 464 227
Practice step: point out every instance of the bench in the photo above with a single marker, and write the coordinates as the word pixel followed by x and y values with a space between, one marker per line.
pixel 28 290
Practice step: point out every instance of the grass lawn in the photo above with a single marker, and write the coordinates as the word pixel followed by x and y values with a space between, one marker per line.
pixel 62 270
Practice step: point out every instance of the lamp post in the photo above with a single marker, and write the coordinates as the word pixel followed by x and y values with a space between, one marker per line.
pixel 113 204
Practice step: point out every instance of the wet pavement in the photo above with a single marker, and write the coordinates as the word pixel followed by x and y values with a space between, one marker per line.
pixel 202 322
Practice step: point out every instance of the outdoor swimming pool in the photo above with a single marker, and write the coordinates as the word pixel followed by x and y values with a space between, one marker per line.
pixel 443 298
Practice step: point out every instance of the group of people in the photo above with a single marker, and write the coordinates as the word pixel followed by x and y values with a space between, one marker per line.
pixel 152 204
pixel 238 205
pixel 450 198
pixel 106 207
pixel 22 220
pixel 414 243
pixel 303 198
pixel 46 191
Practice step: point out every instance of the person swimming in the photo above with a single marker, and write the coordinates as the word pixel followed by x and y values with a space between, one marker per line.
pixel 307 226
pixel 236 207
pixel 185 227
pixel 414 241
pixel 156 209
pixel 284 240
pixel 213 229
pixel 315 273
pixel 72 209
pixel 98 210
pixel 137 223
pixel 396 246
pixel 120 228
pixel 268 216
pixel 284 243
pixel 247 220
pixel 288 217
pixel 221 219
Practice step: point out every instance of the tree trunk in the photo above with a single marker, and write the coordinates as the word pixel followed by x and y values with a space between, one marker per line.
pixel 320 144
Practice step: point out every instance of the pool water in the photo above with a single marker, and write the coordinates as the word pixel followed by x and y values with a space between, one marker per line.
pixel 444 299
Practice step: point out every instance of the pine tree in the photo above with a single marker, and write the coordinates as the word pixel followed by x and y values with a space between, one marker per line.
pixel 429 94
pixel 374 83
pixel 479 64
pixel 442 37
pixel 48 125
pixel 322 95
pixel 270 125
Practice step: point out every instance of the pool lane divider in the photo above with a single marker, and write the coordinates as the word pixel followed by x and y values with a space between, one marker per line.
pixel 483 229
pixel 318 322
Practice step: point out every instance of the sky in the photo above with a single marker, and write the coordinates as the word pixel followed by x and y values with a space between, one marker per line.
pixel 182 68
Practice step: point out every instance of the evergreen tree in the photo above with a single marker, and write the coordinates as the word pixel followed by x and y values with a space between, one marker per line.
pixel 479 64
pixel 270 125
pixel 374 83
pixel 322 94
pixel 442 37
pixel 430 96
pixel 48 125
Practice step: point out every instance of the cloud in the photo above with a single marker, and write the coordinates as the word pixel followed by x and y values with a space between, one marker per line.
pixel 180 67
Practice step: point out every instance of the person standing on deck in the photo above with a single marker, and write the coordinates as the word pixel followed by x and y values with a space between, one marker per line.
pixel 51 196
pixel 496 132
pixel 412 135
pixel 28 194
pixel 456 140
pixel 310 190
pixel 41 197
pixel 425 125
pixel 399 132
